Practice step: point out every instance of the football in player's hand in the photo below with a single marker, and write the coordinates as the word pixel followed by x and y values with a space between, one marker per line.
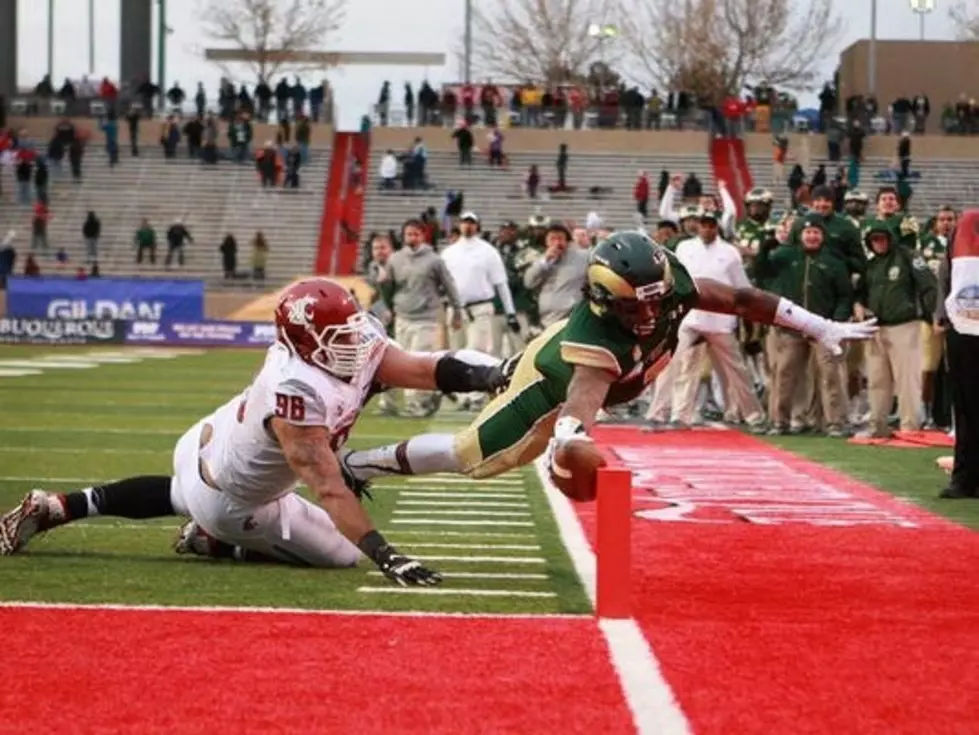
pixel 574 469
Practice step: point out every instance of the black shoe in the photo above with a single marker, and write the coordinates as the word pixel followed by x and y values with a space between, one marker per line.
pixel 954 492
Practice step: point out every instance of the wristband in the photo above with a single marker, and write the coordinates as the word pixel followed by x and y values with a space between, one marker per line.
pixel 373 545
pixel 567 427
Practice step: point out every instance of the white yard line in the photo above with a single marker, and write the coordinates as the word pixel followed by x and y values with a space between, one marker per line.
pixel 399 532
pixel 479 547
pixel 654 708
pixel 462 504
pixel 443 480
pixel 480 513
pixel 517 576
pixel 453 522
pixel 487 559
pixel 460 496
pixel 443 591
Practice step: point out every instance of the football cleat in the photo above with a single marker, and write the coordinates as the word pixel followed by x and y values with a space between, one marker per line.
pixel 192 539
pixel 37 512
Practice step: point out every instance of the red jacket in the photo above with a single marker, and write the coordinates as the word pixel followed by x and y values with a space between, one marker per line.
pixel 641 191
pixel 108 91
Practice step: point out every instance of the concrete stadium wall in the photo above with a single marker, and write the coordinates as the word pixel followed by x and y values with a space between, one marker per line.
pixel 583 141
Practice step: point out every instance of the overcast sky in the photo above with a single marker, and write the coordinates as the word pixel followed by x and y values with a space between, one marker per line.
pixel 371 25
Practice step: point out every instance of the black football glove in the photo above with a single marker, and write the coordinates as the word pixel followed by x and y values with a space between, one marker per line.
pixel 513 323
pixel 404 570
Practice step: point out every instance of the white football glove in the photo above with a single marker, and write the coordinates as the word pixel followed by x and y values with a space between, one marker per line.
pixel 838 332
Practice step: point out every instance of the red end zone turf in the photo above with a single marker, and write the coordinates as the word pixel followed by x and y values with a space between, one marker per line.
pixel 89 670
pixel 768 619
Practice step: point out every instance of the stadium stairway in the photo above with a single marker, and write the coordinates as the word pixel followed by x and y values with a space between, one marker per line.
pixel 497 195
pixel 212 200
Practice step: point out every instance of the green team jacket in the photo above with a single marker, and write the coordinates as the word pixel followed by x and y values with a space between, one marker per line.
pixel 900 287
pixel 843 240
pixel 818 282
pixel 596 340
pixel 904 228
pixel 516 260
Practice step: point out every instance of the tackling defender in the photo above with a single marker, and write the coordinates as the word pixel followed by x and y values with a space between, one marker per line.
pixel 613 345
pixel 235 471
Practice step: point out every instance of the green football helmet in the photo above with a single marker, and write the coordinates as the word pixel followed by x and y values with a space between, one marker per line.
pixel 855 203
pixel 758 204
pixel 628 278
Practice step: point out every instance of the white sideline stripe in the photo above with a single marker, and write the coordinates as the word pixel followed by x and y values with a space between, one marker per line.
pixel 17 373
pixel 33 364
pixel 654 708
pixel 487 559
pixel 442 480
pixel 27 605
pixel 94 357
pixel 474 495
pixel 398 532
pixel 440 522
pixel 448 591
pixel 481 547
pixel 480 513
pixel 483 575
pixel 464 504
pixel 175 433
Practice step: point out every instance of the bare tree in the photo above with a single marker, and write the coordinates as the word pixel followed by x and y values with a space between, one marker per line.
pixel 544 41
pixel 716 47
pixel 271 35
pixel 965 14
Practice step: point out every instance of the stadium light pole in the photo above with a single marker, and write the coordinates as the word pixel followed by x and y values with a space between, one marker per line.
pixel 603 34
pixel 922 8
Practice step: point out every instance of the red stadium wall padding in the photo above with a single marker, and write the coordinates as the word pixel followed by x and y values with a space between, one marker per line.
pixel 743 169
pixel 353 208
pixel 722 158
pixel 333 196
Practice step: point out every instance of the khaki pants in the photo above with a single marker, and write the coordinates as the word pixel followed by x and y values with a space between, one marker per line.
pixel 894 365
pixel 506 343
pixel 793 353
pixel 476 334
pixel 725 357
pixel 661 406
pixel 416 336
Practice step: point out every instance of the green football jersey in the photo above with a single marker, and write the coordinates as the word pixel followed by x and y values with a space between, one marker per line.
pixel 933 248
pixel 595 340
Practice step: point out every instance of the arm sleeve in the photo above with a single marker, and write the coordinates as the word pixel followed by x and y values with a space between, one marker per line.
pixel 537 273
pixel 448 284
pixel 942 293
pixel 729 213
pixel 924 285
pixel 843 307
pixel 736 271
pixel 666 203
pixel 506 298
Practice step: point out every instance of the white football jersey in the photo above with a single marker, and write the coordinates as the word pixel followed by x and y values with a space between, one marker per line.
pixel 244 457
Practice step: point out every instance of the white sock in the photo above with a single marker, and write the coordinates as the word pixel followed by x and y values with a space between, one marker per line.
pixel 421 455
pixel 92 508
